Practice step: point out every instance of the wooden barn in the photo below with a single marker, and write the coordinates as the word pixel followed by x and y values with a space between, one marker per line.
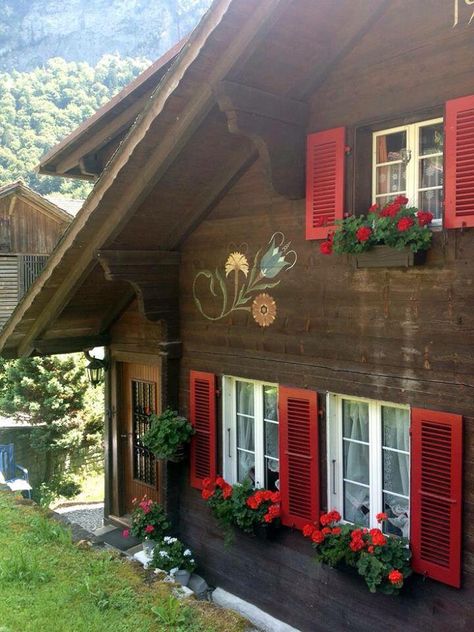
pixel 197 261
pixel 30 227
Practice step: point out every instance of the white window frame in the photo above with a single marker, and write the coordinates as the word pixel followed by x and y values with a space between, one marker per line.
pixel 229 428
pixel 412 171
pixel 335 473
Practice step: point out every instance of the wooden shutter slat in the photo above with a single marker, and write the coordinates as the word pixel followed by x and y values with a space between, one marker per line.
pixel 299 456
pixel 203 418
pixel 459 163
pixel 324 181
pixel 436 494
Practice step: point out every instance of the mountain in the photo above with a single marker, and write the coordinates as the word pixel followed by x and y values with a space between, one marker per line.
pixel 33 31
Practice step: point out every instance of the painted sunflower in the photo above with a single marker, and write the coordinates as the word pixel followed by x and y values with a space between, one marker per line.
pixel 264 309
pixel 236 262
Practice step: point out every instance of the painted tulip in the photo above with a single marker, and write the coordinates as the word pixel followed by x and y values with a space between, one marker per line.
pixel 277 257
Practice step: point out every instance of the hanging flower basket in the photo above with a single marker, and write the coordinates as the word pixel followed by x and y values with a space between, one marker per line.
pixel 396 235
pixel 168 436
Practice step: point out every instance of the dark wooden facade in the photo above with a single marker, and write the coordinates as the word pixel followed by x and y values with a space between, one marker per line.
pixel 220 168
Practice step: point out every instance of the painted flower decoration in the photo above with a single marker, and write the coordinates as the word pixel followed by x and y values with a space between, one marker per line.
pixel 277 257
pixel 236 262
pixel 264 309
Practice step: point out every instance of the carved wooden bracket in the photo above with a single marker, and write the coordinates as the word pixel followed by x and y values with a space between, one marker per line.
pixel 154 275
pixel 277 127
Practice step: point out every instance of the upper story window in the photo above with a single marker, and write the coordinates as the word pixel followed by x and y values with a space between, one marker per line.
pixel 251 432
pixel 369 462
pixel 408 161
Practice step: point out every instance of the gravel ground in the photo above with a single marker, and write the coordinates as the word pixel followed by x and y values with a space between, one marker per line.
pixel 89 517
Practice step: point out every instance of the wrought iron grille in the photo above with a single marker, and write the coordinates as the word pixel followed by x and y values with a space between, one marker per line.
pixel 30 267
pixel 144 404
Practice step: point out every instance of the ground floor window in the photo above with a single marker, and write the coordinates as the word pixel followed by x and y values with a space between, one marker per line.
pixel 250 429
pixel 369 462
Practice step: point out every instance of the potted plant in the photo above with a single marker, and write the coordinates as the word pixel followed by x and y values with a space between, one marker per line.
pixel 167 435
pixel 396 235
pixel 149 523
pixel 240 506
pixel 382 560
pixel 173 557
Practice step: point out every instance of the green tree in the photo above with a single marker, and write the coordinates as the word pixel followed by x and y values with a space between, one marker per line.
pixel 55 395
pixel 41 107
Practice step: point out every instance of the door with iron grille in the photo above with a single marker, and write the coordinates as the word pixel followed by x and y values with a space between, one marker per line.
pixel 140 397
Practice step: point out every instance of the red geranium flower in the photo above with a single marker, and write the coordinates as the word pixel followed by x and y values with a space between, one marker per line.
pixel 424 218
pixel 390 210
pixel 363 233
pixel 381 517
pixel 325 519
pixel 395 577
pixel 326 530
pixel 207 493
pixel 374 208
pixel 326 247
pixel 401 200
pixel 335 516
pixel 308 530
pixel 370 549
pixel 227 491
pixel 317 536
pixel 126 533
pixel 404 224
pixel 220 482
pixel 336 531
pixel 149 528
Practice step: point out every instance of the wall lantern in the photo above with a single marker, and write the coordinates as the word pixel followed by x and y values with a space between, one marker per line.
pixel 95 369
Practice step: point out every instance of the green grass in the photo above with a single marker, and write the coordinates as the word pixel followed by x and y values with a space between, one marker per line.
pixel 48 584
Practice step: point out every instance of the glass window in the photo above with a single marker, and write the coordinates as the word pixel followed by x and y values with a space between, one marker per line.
pixel 251 430
pixel 409 161
pixel 369 461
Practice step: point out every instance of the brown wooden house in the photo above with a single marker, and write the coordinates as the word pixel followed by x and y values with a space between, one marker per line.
pixel 196 260
pixel 30 227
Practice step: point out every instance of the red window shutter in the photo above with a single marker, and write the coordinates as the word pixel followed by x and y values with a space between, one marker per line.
pixel 203 418
pixel 459 163
pixel 436 494
pixel 299 456
pixel 325 166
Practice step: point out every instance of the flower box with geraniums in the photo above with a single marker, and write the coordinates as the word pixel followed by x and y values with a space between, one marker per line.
pixel 168 435
pixel 382 560
pixel 240 506
pixel 149 523
pixel 396 235
pixel 173 557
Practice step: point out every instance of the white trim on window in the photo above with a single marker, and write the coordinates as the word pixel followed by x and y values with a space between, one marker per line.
pixel 335 475
pixel 229 428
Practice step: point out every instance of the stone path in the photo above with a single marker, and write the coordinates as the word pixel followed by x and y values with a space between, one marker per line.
pixel 89 517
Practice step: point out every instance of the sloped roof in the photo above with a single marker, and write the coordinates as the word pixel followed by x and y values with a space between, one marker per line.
pixel 20 189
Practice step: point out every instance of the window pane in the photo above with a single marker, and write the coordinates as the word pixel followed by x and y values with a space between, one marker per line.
pixel 271 439
pixel 356 504
pixel 389 146
pixel 245 466
pixel 397 511
pixel 391 179
pixel 245 400
pixel 431 172
pixel 431 139
pixel 245 433
pixel 396 428
pixel 432 201
pixel 270 410
pixel 272 474
pixel 355 420
pixel 396 472
pixel 356 462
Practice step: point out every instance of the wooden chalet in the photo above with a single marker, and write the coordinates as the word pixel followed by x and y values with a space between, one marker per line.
pixel 30 227
pixel 196 260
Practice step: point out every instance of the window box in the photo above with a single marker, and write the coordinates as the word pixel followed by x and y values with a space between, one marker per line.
pixel 386 257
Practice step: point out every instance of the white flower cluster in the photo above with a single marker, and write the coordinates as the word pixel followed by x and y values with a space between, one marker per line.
pixel 169 540
pixel 164 554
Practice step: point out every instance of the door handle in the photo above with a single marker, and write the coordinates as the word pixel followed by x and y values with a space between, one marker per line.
pixel 124 436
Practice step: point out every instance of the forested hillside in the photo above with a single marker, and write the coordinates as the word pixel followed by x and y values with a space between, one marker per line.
pixel 40 107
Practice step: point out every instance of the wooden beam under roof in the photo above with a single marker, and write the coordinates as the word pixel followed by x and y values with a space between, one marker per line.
pixel 48 346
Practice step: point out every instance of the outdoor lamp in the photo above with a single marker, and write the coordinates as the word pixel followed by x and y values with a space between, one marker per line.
pixel 95 369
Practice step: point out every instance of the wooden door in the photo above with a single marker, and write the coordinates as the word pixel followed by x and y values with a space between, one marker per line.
pixel 140 398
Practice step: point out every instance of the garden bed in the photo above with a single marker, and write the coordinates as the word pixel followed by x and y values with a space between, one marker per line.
pixel 61 586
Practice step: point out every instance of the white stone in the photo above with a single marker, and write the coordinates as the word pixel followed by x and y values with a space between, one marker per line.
pixel 143 558
pixel 258 617
pixel 183 592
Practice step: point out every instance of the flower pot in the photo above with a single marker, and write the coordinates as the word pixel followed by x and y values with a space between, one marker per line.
pixel 179 455
pixel 182 577
pixel 386 257
pixel 148 546
pixel 267 530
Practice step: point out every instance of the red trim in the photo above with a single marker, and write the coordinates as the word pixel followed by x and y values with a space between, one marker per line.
pixel 203 418
pixel 325 168
pixel 436 494
pixel 459 163
pixel 299 456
